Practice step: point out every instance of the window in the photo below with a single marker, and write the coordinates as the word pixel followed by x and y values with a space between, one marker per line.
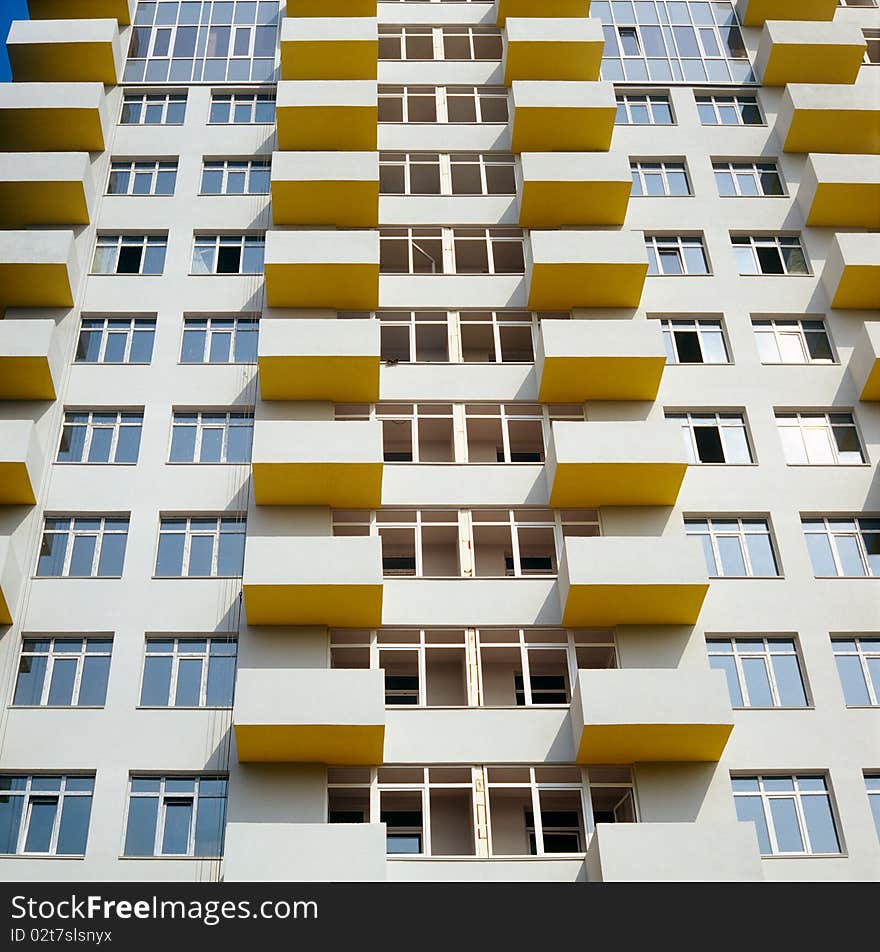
pixel 819 438
pixel 642 109
pixel 100 436
pixel 153 109
pixel 45 815
pixel 451 251
pixel 202 41
pixel 231 177
pixel 760 671
pixel 83 547
pixel 792 341
pixel 872 785
pixel 63 672
pixel 201 546
pixel 872 53
pixel 130 254
pixel 142 178
pixel 735 547
pixel 219 340
pixel 242 109
pixel 843 547
pixel 676 255
pixel 714 437
pixel 189 672
pixel 729 111
pixel 659 178
pixel 748 179
pixel 457 173
pixel 115 340
pixel 439 43
pixel 212 437
pixel 858 664
pixel 465 104
pixel 792 815
pixel 228 254
pixel 769 254
pixel 176 816
pixel 694 341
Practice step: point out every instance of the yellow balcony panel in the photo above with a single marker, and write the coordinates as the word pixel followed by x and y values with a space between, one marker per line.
pixel 832 118
pixel 327 115
pixel 65 51
pixel 851 277
pixel 326 188
pixel 799 52
pixel 314 716
pixel 331 8
pixel 120 10
pixel 865 361
pixel 20 463
pixel 541 8
pixel 30 360
pixel 841 191
pixel 329 48
pixel 552 48
pixel 319 359
pixel 573 188
pixel 580 360
pixel 45 188
pixel 10 580
pixel 757 12
pixel 562 116
pixel 334 463
pixel 37 269
pixel 52 117
pixel 635 580
pixel 566 269
pixel 323 269
pixel 314 581
pixel 614 464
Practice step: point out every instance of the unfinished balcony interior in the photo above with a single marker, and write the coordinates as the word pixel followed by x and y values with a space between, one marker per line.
pixel 339 189
pixel 552 48
pixel 561 116
pixel 327 115
pixel 30 360
pixel 20 463
pixel 319 48
pixel 45 188
pixel 541 8
pixel 809 52
pixel 120 10
pixel 865 362
pixel 10 580
pixel 851 277
pixel 37 269
pixel 65 51
pixel 52 117
pixel 831 118
pixel 841 191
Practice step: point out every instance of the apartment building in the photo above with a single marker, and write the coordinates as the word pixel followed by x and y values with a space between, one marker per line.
pixel 438 441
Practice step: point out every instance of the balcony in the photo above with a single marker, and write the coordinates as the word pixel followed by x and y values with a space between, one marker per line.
pixel 344 47
pixel 323 269
pixel 668 715
pixel 553 48
pixel 757 12
pixel 20 463
pixel 326 188
pixel 10 581
pixel 309 716
pixel 65 51
pixel 37 269
pixel 329 115
pixel 331 8
pixel 30 360
pixel 45 188
pixel 852 271
pixel 120 10
pixel 841 191
pixel 562 117
pixel 319 359
pixel 865 362
pixel 541 8
pixel 590 465
pixel 842 119
pixel 633 580
pixel 318 463
pixel 796 52
pixel 52 117
pixel 580 360
pixel 566 269
pixel 335 582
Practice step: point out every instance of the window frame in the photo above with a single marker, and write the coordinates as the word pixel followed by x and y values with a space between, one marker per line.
pixel 740 534
pixel 639 166
pixel 230 414
pixel 135 167
pixel 802 416
pixel 679 244
pixel 856 532
pixel 71 533
pixel 238 98
pixel 91 426
pixel 626 100
pixel 441 94
pixel 224 165
pixel 145 99
pixel 777 241
pixel 236 320
pixel 147 240
pixel 686 420
pixel 176 656
pixel 766 655
pixel 242 240
pixel 106 330
pixel 29 794
pixel 52 655
pixel 669 323
pixel 775 325
pixel 739 101
pixel 738 166
pixel 872 685
pixel 237 518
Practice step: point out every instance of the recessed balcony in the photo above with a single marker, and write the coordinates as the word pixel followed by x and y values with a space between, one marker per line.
pixel 596 464
pixel 541 8
pixel 52 117
pixel 309 716
pixel 566 269
pixel 831 118
pixel 841 191
pixel 757 12
pixel 20 463
pixel 37 269
pixel 327 115
pixel 335 581
pixel 45 188
pixel 329 48
pixel 803 52
pixel 562 117
pixel 326 188
pixel 30 360
pixel 334 463
pixel 573 188
pixel 865 362
pixel 65 51
pixel 632 580
pixel 120 10
pixel 319 359
pixel 323 269
pixel 852 271
pixel 10 580
pixel 552 48
pixel 580 360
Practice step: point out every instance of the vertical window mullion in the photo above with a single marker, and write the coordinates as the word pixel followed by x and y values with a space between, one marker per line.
pixel 536 813
pixel 526 671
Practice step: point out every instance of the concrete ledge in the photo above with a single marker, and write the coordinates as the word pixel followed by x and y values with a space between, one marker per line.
pixel 851 277
pixel 45 188
pixel 65 51
pixel 53 117
pixel 21 463
pixel 30 360
pixel 841 191
pixel 329 47
pixel 37 269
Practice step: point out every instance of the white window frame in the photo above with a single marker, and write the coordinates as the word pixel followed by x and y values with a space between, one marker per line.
pixel 863 655
pixel 29 794
pixel 854 531
pixel 677 243
pixel 120 240
pixel 753 169
pixel 736 99
pixel 236 99
pixel 72 532
pixel 235 319
pixel 781 328
pixel 639 167
pixel 242 241
pixel 441 97
pixel 200 426
pixel 804 420
pixel 724 421
pixel 177 655
pixel 780 243
pixel 738 533
pixel 224 166
pixel 136 167
pixel 147 99
pixel 106 330
pixel 445 162
pixel 238 518
pixel 91 426
pixel 627 100
pixel 698 325
pixel 437 34
pixel 448 238
pixel 51 655
pixel 765 654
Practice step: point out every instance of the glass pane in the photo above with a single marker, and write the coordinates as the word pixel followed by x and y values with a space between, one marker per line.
pixel 728 666
pixel 29 687
pixel 210 823
pixel 852 679
pixel 61 686
pixel 169 561
pixel 93 684
pixel 761 555
pixel 819 548
pixel 221 679
pixel 789 684
pixel 189 682
pixel 178 819
pixel 751 808
pixel 850 556
pixel 112 555
pixel 230 560
pixel 74 829
pixel 40 822
pixel 820 824
pixel 10 822
pixel 157 681
pixel 757 682
pixel 785 825
pixel 730 551
pixel 201 554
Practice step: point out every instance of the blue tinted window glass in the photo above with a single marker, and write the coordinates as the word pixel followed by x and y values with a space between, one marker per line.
pixel 157 681
pixel 74 829
pixel 140 834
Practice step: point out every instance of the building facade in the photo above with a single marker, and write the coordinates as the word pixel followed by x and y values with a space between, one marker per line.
pixel 438 441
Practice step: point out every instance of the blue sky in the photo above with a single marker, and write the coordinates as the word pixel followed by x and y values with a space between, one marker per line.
pixel 9 10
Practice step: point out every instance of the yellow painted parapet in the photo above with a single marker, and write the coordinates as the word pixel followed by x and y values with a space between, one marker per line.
pixel 865 362
pixel 541 8
pixel 65 51
pixel 331 8
pixel 20 462
pixel 52 117
pixel 796 52
pixel 851 277
pixel 120 10
pixel 37 269
pixel 832 118
pixel 757 12
pixel 841 191
pixel 327 115
pixel 554 48
pixel 45 188
pixel 326 188
pixel 562 116
pixel 329 48
pixel 29 360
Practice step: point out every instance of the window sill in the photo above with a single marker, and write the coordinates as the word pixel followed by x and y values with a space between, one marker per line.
pixel 482 707
pixel 233 195
pixel 804 363
pixel 109 363
pixel 168 707
pixel 76 578
pixel 209 363
pixel 805 707
pixel 747 578
pixel 194 578
pixel 86 463
pixel 549 857
pixel 804 855
pixel 42 856
pixel 862 707
pixel 227 274
pixel 829 465
pixel 200 859
pixel 461 578
pixel 762 275
pixel 847 578
pixel 58 707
